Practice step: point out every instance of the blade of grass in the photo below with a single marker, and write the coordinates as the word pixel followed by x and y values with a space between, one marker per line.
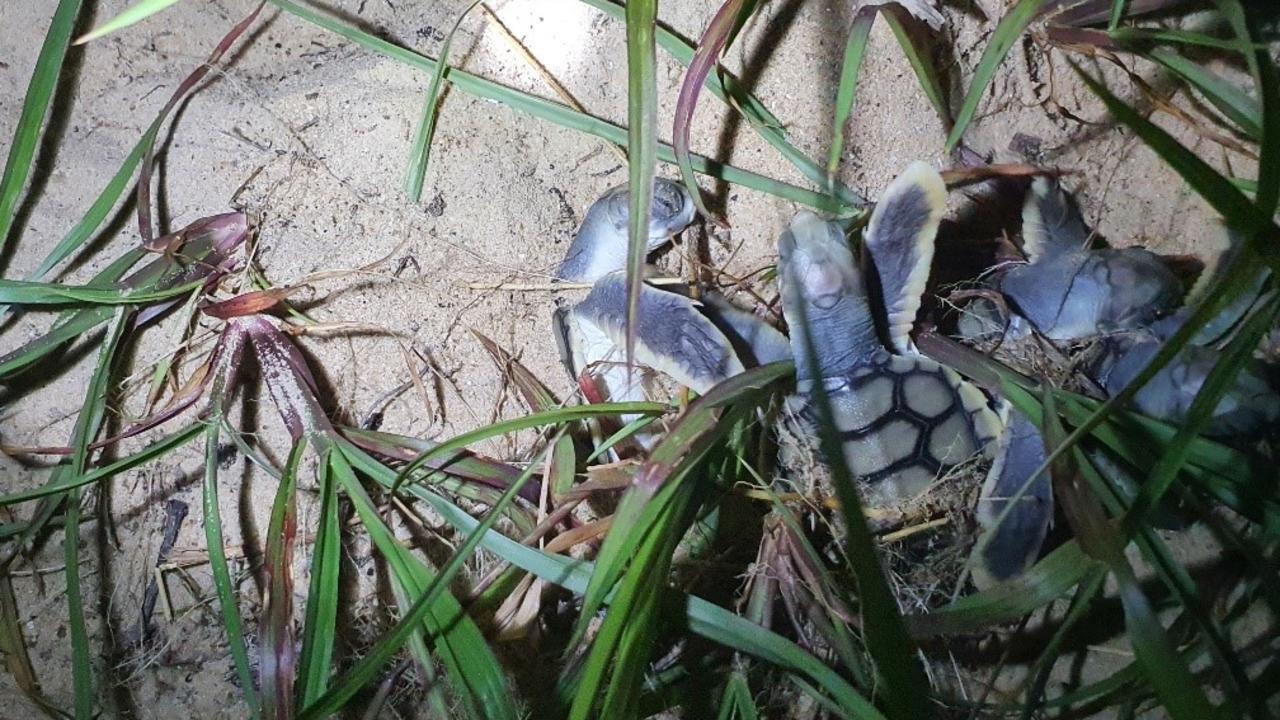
pixel 420 154
pixel 1219 381
pixel 14 646
pixel 222 581
pixel 135 13
pixel 143 201
pixel 1006 34
pixel 22 292
pixel 1267 85
pixel 907 29
pixel 35 108
pixel 1041 584
pixel 1117 13
pixel 319 629
pixel 1234 103
pixel 101 207
pixel 1260 231
pixel 705 58
pixel 155 450
pixel 564 116
pixel 277 656
pixel 905 688
pixel 474 673
pixel 704 618
pixel 1155 651
pixel 88 423
pixel 386 647
pixel 1235 680
pixel 731 91
pixel 549 417
pixel 642 148
pixel 854 49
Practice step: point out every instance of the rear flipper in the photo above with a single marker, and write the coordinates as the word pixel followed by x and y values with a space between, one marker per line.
pixel 1006 548
pixel 756 342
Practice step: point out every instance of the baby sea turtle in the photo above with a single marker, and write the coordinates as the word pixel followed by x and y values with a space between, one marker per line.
pixel 1131 302
pixel 1250 406
pixel 1068 290
pixel 695 343
pixel 903 419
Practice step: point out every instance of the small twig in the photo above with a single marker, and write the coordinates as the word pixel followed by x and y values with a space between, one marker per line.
pixel 907 532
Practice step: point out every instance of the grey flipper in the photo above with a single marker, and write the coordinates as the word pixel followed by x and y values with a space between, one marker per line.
pixel 823 299
pixel 673 336
pixel 900 239
pixel 1006 549
pixel 1051 222
pixel 756 342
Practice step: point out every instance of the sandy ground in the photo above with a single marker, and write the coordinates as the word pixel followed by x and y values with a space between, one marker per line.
pixel 311 133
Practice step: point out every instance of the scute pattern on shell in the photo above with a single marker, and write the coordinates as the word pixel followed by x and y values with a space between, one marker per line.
pixel 906 419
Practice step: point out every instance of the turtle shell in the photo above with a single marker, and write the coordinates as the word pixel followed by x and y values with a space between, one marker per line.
pixel 904 420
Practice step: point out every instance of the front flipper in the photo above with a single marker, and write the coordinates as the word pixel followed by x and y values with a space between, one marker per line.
pixel 900 239
pixel 673 336
pixel 1051 222
pixel 1006 549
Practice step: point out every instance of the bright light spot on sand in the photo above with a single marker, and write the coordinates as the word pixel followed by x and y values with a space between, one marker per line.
pixel 555 32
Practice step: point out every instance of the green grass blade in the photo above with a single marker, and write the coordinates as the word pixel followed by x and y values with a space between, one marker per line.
pixel 1175 576
pixel 473 672
pixel 1139 36
pixel 420 154
pixel 549 417
pixel 135 13
pixel 276 652
pixel 368 667
pixel 1155 651
pixel 642 149
pixel 1043 583
pixel 319 629
pixel 704 618
pixel 731 92
pixel 88 423
pixel 854 49
pixel 1006 34
pixel 1217 384
pixel 1263 69
pixel 35 107
pixel 23 292
pixel 564 116
pixel 101 207
pixel 76 325
pixel 902 679
pixel 1117 13
pixel 155 450
pixel 221 573
pixel 907 30
pixel 81 661
pixel 1260 231
pixel 1233 102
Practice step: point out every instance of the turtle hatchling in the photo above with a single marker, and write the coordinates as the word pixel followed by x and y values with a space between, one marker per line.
pixel 903 419
pixel 1069 290
pixel 697 344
